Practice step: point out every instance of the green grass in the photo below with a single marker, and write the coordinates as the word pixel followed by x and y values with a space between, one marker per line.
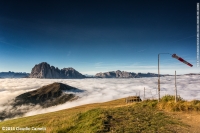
pixel 60 121
pixel 87 122
pixel 115 116
pixel 167 103
pixel 141 119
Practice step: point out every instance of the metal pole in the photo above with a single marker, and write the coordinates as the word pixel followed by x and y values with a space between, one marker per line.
pixel 139 93
pixel 158 79
pixel 144 92
pixel 175 89
pixel 159 76
pixel 139 96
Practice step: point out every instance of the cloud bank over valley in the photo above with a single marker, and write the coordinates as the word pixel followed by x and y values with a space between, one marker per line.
pixel 98 90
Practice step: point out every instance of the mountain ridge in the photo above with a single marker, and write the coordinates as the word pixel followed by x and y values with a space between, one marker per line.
pixel 10 74
pixel 43 97
pixel 44 70
pixel 46 94
pixel 125 74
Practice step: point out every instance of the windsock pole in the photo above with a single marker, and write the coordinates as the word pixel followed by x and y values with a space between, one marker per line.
pixel 174 56
pixel 159 75
pixel 175 89
pixel 158 79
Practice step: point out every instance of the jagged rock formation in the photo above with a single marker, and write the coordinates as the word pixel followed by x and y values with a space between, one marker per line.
pixel 115 74
pixel 13 75
pixel 44 70
pixel 124 74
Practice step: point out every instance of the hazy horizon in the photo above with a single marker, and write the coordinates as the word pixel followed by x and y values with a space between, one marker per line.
pixel 142 71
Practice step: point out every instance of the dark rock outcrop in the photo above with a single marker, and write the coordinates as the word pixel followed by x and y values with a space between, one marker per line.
pixel 44 70
pixel 48 95
pixel 124 74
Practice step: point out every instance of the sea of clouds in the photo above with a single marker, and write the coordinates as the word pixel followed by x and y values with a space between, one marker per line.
pixel 100 90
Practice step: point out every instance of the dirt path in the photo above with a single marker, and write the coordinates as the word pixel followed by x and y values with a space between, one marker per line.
pixel 190 118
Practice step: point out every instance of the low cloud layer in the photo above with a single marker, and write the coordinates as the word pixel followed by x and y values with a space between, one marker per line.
pixel 100 90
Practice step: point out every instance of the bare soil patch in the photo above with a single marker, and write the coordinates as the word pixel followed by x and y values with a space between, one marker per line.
pixel 192 119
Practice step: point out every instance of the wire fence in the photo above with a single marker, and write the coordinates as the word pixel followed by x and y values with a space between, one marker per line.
pixel 150 94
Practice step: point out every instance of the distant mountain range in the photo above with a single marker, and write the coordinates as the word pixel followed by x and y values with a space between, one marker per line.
pixel 124 74
pixel 44 70
pixel 14 75
pixel 192 74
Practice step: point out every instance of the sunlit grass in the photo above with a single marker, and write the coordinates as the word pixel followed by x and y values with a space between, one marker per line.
pixel 113 116
pixel 168 103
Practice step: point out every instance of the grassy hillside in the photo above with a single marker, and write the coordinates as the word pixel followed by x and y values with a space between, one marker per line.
pixel 115 116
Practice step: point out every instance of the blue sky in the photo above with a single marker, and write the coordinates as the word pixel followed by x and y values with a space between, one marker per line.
pixel 98 36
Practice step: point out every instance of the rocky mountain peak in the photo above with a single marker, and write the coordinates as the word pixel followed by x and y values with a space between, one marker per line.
pixel 123 74
pixel 44 70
